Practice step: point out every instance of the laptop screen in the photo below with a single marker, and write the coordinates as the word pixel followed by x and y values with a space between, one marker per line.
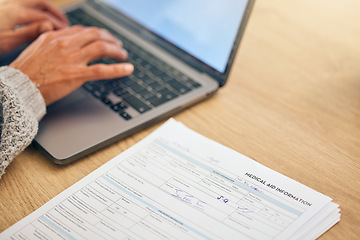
pixel 204 29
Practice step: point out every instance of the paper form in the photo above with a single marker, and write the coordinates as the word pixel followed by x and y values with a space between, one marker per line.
pixel 177 184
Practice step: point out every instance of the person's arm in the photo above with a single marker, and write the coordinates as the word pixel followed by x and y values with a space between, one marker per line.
pixel 57 63
pixel 21 107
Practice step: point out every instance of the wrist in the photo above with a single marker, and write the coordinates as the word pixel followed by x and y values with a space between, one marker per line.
pixel 26 91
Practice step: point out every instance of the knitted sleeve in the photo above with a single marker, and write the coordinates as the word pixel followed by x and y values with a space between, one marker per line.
pixel 21 107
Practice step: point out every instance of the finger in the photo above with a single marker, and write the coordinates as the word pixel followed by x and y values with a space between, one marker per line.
pixel 27 33
pixel 91 34
pixel 35 15
pixel 69 31
pixel 58 23
pixel 45 5
pixel 51 37
pixel 104 71
pixel 48 6
pixel 63 34
pixel 99 49
pixel 45 27
pixel 30 32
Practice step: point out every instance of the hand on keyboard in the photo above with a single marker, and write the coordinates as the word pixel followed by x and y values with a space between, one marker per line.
pixel 57 62
pixel 153 82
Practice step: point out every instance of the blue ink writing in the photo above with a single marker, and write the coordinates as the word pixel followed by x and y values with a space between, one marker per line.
pixel 242 209
pixel 189 199
pixel 225 200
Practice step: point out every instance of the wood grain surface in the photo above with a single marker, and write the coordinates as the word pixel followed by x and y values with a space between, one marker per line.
pixel 292 103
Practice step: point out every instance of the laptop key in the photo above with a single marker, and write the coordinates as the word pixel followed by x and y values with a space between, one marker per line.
pixel 156 71
pixel 127 81
pixel 165 77
pixel 147 79
pixel 125 115
pixel 97 94
pixel 146 94
pixel 178 86
pixel 111 84
pixel 157 86
pixel 194 84
pixel 89 86
pixel 137 87
pixel 166 95
pixel 106 100
pixel 119 107
pixel 136 103
pixel 120 92
pixel 156 101
pixel 139 74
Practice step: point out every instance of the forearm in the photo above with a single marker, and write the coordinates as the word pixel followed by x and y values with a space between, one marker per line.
pixel 22 106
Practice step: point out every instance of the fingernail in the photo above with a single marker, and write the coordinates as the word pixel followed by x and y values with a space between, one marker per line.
pixel 125 53
pixel 129 68
pixel 45 27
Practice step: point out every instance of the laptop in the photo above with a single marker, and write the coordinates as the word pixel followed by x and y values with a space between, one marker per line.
pixel 182 52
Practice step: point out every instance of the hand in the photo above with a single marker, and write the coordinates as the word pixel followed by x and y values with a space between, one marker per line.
pixel 22 21
pixel 58 60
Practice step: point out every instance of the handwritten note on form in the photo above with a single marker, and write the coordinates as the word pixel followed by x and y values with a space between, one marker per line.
pixel 177 184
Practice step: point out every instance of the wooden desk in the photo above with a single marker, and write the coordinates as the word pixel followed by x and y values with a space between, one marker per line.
pixel 292 103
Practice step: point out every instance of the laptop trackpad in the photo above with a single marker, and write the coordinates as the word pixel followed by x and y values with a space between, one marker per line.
pixel 76 103
pixel 76 97
pixel 71 125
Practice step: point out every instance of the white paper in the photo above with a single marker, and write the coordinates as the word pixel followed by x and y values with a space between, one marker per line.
pixel 177 184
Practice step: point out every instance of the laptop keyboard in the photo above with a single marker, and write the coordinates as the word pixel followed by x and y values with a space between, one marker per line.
pixel 152 84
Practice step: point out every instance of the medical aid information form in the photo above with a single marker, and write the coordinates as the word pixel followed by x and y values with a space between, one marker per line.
pixel 177 184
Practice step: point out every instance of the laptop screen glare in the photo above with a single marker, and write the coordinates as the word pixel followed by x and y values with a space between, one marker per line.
pixel 204 29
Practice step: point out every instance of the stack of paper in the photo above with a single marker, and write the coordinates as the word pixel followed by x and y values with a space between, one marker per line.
pixel 177 184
